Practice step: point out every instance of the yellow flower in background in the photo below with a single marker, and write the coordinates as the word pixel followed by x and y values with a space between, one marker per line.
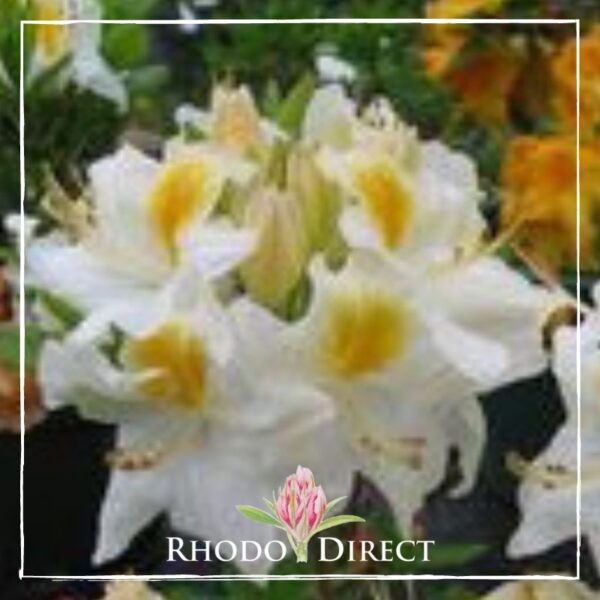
pixel 565 73
pixel 540 198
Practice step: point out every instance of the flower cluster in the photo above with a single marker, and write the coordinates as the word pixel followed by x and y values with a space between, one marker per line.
pixel 316 287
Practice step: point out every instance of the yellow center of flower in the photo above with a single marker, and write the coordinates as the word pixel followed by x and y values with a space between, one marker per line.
pixel 171 364
pixel 387 200
pixel 364 330
pixel 51 40
pixel 178 195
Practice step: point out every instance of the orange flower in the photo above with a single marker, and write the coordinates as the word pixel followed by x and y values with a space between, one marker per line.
pixel 10 402
pixel 455 9
pixel 484 80
pixel 565 74
pixel 540 198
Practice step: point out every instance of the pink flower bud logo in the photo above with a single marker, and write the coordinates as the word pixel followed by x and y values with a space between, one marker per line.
pixel 299 509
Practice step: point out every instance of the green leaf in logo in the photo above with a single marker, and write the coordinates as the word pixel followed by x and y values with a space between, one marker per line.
pixel 339 520
pixel 333 503
pixel 258 516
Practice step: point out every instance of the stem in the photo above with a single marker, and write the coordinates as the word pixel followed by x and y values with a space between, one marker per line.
pixel 301 552
pixel 411 590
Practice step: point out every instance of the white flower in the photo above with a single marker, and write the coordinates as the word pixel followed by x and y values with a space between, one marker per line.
pixel 416 201
pixel 334 69
pixel 149 220
pixel 202 423
pixel 79 43
pixel 548 494
pixel 330 117
pixel 415 205
pixel 542 590
pixel 389 361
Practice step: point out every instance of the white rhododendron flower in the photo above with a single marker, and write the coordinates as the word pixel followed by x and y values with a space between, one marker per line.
pixel 197 421
pixel 542 590
pixel 77 43
pixel 415 205
pixel 148 220
pixel 548 496
pixel 387 358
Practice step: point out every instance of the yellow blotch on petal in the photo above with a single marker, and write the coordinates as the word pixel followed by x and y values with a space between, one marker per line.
pixel 51 40
pixel 386 198
pixel 364 330
pixel 171 364
pixel 179 195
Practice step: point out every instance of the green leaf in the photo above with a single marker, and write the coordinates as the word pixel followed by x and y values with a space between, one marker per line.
pixel 258 516
pixel 444 556
pixel 270 505
pixel 291 112
pixel 64 312
pixel 339 520
pixel 126 46
pixel 334 503
pixel 10 345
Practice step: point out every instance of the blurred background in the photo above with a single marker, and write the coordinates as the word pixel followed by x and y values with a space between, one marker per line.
pixel 502 93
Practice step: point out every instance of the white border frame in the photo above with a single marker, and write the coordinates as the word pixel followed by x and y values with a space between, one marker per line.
pixel 209 22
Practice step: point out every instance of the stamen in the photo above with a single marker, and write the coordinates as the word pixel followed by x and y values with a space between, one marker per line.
pixel 144 459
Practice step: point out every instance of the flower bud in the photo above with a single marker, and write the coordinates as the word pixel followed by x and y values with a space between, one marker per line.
pixel 318 198
pixel 301 505
pixel 236 120
pixel 281 252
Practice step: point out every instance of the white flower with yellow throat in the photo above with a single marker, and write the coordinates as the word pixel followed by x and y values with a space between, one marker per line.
pixel 415 205
pixel 149 219
pixel 77 43
pixel 548 496
pixel 199 414
pixel 386 358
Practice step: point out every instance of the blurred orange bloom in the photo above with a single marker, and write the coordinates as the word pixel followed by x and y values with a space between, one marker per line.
pixel 455 9
pixel 565 74
pixel 540 198
pixel 10 401
pixel 484 80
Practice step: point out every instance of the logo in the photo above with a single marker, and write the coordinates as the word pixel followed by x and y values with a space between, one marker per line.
pixel 300 509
